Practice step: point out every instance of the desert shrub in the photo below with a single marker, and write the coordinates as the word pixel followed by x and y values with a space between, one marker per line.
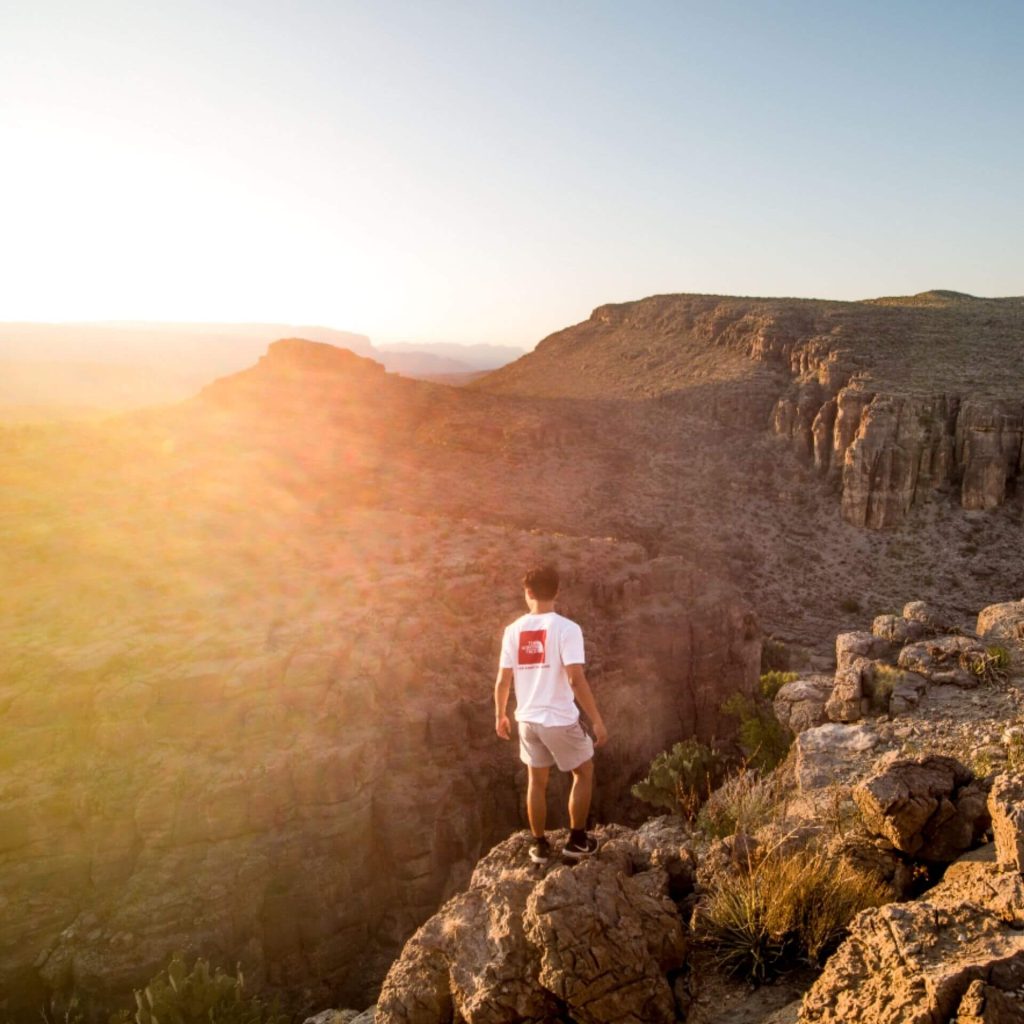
pixel 200 996
pixel 1015 749
pixel 743 803
pixel 885 679
pixel 765 741
pixel 774 656
pixel 790 906
pixel 991 667
pixel 773 681
pixel 680 779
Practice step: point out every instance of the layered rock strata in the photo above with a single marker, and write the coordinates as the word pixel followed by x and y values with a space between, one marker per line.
pixel 892 399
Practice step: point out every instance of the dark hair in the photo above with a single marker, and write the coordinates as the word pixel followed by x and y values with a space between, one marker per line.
pixel 542 582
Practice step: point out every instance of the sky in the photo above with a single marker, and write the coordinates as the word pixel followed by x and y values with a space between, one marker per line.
pixel 491 172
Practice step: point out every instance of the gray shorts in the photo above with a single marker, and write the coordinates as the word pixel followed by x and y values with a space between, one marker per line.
pixel 541 746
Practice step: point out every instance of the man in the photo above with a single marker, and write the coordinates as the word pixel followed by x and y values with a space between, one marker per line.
pixel 543 652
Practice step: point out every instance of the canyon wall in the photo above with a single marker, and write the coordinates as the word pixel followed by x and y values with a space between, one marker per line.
pixel 248 650
pixel 298 785
pixel 887 452
pixel 891 399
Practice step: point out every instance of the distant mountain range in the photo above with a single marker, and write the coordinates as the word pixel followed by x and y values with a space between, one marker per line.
pixel 79 370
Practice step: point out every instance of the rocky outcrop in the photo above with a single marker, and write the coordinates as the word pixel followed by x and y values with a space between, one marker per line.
pixel 800 705
pixel 957 954
pixel 820 751
pixel 890 670
pixel 950 659
pixel 1003 622
pixel 931 808
pixel 1006 807
pixel 888 452
pixel 597 942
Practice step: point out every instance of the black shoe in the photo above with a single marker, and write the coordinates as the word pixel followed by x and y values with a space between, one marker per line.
pixel 578 849
pixel 540 850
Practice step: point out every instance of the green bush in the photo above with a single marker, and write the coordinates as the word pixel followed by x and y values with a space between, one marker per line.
pixel 789 907
pixel 994 666
pixel 179 996
pixel 774 656
pixel 765 741
pixel 680 779
pixel 773 681
pixel 743 803
pixel 886 679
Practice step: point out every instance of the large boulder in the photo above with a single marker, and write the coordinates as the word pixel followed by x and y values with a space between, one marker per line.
pixel 595 941
pixel 895 629
pixel 822 752
pixel 1006 806
pixel 931 808
pixel 923 614
pixel 1004 622
pixel 947 659
pixel 851 646
pixel 800 705
pixel 919 963
pixel 846 702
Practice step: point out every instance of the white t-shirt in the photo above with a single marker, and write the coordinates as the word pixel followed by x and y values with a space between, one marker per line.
pixel 537 648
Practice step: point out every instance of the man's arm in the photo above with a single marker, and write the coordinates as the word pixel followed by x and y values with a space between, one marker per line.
pixel 585 698
pixel 502 686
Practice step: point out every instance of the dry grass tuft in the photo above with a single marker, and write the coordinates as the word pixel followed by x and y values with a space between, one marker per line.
pixel 743 803
pixel 789 907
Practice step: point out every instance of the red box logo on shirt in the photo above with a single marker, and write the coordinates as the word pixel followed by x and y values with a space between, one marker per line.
pixel 531 646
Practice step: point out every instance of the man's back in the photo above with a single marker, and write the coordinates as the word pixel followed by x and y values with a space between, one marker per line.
pixel 538 647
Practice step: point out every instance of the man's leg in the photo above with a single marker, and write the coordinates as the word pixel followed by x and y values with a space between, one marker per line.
pixel 580 794
pixel 537 798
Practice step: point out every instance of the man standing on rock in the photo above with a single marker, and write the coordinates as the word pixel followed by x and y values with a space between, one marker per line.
pixel 543 652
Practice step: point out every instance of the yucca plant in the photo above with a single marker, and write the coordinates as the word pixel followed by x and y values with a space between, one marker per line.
pixel 789 907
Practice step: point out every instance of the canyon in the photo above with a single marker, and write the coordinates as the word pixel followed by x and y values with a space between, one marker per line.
pixel 250 639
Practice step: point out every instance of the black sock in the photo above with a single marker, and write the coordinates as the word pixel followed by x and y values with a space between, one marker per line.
pixel 578 835
pixel 542 838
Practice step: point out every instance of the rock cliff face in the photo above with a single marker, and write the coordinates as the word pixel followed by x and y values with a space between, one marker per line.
pixel 254 720
pixel 591 944
pixel 891 399
pixel 887 452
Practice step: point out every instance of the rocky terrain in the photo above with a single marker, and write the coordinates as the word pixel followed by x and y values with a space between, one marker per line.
pixel 892 399
pixel 248 651
pixel 620 938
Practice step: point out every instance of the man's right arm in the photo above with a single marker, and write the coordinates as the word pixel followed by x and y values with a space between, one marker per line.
pixel 502 687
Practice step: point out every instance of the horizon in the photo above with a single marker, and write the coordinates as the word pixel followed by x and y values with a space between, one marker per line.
pixel 486 175
pixel 380 344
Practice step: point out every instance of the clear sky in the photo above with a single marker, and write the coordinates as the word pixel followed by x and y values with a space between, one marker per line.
pixel 421 170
